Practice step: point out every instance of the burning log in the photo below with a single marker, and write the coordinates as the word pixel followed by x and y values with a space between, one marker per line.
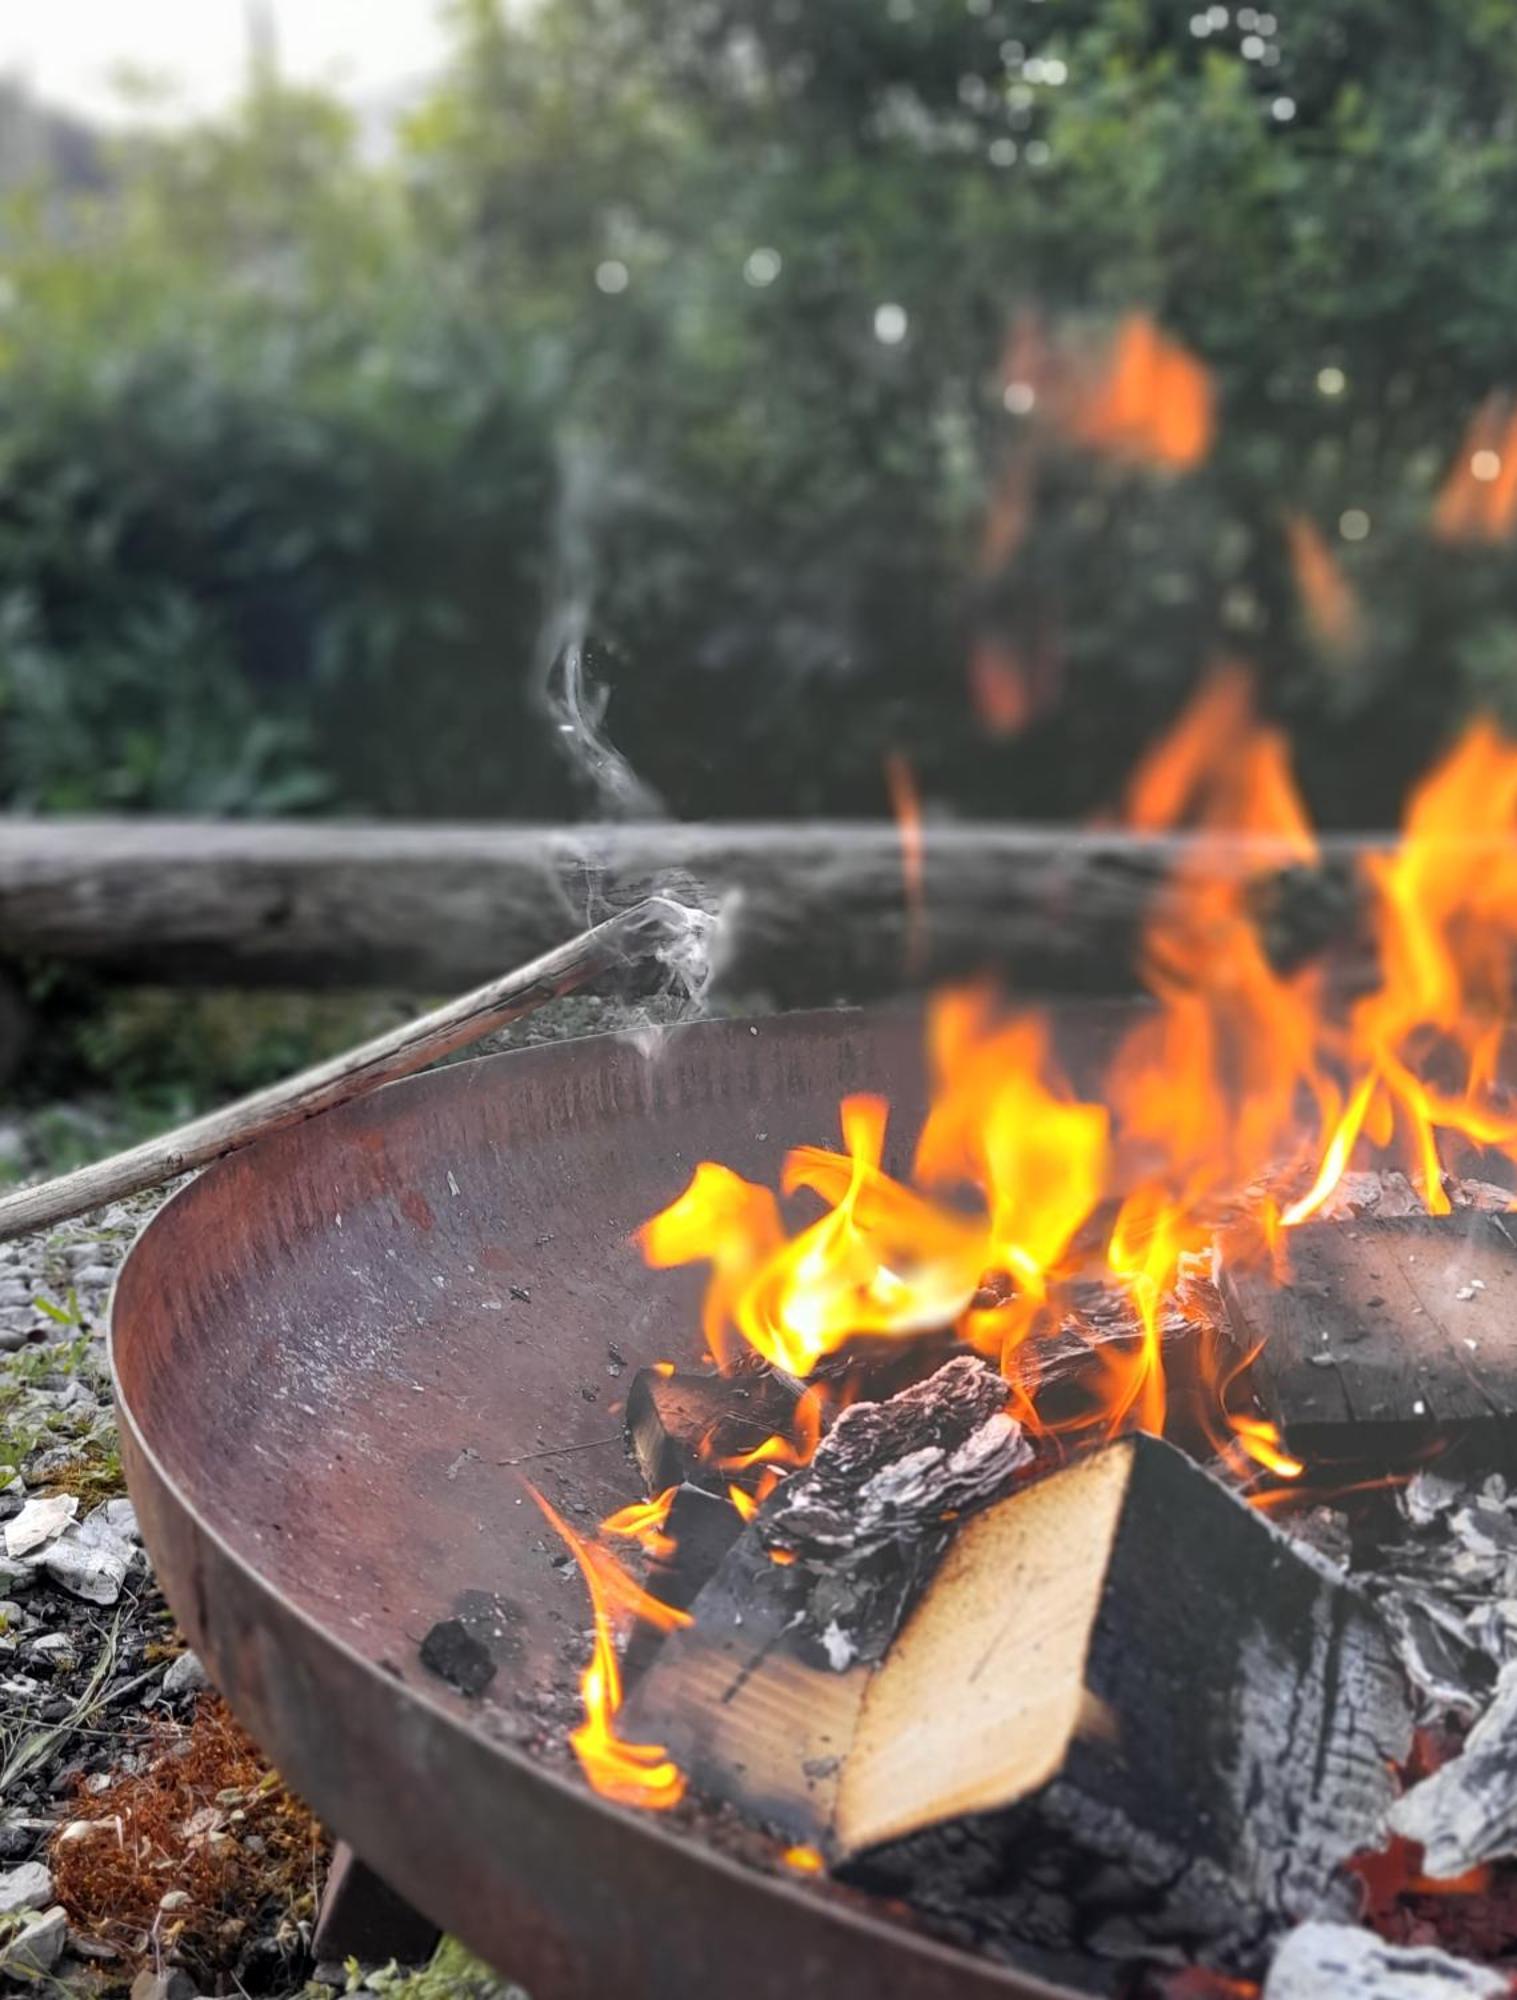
pixel 1342 1962
pixel 759 1698
pixel 690 1427
pixel 1115 1709
pixel 1390 1333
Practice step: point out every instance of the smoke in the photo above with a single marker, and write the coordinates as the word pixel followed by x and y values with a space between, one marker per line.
pixel 574 706
pixel 595 877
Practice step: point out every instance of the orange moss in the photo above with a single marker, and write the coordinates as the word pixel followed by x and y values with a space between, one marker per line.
pixel 206 1817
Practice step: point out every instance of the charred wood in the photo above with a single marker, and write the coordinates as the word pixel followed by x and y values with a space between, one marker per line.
pixel 1113 1711
pixel 757 1700
pixel 682 1427
pixel 1388 1336
pixel 1149 1723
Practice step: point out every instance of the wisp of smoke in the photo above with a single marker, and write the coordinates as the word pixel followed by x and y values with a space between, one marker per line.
pixel 575 711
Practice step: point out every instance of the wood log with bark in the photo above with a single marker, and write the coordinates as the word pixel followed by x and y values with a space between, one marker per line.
pixel 822 914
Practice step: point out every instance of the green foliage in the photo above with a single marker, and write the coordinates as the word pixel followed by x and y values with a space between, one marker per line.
pixel 297 449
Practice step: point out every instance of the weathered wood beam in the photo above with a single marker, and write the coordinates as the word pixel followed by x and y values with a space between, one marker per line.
pixel 822 914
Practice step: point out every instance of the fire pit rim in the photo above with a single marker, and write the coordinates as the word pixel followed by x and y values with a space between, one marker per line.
pixel 893 1943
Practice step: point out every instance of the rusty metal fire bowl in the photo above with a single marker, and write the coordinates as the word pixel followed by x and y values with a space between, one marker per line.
pixel 337 1356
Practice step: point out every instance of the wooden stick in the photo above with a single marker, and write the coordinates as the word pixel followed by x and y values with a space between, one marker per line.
pixel 637 933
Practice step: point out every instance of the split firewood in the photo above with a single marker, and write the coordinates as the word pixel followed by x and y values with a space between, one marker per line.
pixel 1465 1813
pixel 693 1427
pixel 1389 1335
pixel 759 1697
pixel 1114 1710
pixel 1343 1962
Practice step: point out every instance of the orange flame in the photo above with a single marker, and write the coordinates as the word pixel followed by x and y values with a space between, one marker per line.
pixel 643 1523
pixel 906 804
pixel 804 1860
pixel 1153 400
pixel 1327 597
pixel 634 1774
pixel 1478 499
pixel 1241 1099
pixel 999 688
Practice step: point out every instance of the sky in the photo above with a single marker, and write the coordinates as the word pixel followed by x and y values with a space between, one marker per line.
pixel 68 50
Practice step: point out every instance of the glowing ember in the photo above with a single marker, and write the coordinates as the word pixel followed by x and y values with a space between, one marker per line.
pixel 634 1774
pixel 804 1860
pixel 1478 499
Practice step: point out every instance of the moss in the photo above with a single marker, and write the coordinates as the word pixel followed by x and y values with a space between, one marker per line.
pixel 84 1442
pixel 205 1817
pixel 454 1973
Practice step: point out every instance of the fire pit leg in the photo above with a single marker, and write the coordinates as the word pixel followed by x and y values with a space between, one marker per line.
pixel 362 1917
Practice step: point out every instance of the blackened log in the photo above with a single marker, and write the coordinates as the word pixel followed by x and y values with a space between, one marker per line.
pixel 1343 1962
pixel 698 1530
pixel 758 1698
pixel 1388 1335
pixel 1124 1713
pixel 681 1427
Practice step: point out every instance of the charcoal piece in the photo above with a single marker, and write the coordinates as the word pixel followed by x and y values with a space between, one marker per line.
pixel 1343 1962
pixel 681 1426
pixel 1466 1812
pixel 457 1656
pixel 1387 1337
pixel 757 1699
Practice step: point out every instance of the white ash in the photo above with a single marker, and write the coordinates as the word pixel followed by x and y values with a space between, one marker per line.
pixel 1341 1962
pixel 887 1470
pixel 1446 1584
pixel 1466 1812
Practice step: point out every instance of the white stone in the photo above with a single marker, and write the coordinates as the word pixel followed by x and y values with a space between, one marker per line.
pixel 95 1574
pixel 185 1675
pixel 29 1887
pixel 38 1948
pixel 38 1522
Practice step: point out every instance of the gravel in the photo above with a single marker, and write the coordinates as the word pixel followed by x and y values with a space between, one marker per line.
pixel 83 1626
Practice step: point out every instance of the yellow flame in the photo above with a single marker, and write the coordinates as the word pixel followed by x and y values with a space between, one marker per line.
pixel 634 1774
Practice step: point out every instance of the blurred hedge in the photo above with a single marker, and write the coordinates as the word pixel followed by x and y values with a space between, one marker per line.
pixel 298 452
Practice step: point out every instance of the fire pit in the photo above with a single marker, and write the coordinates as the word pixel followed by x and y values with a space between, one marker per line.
pixel 338 1356
pixel 959 1591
